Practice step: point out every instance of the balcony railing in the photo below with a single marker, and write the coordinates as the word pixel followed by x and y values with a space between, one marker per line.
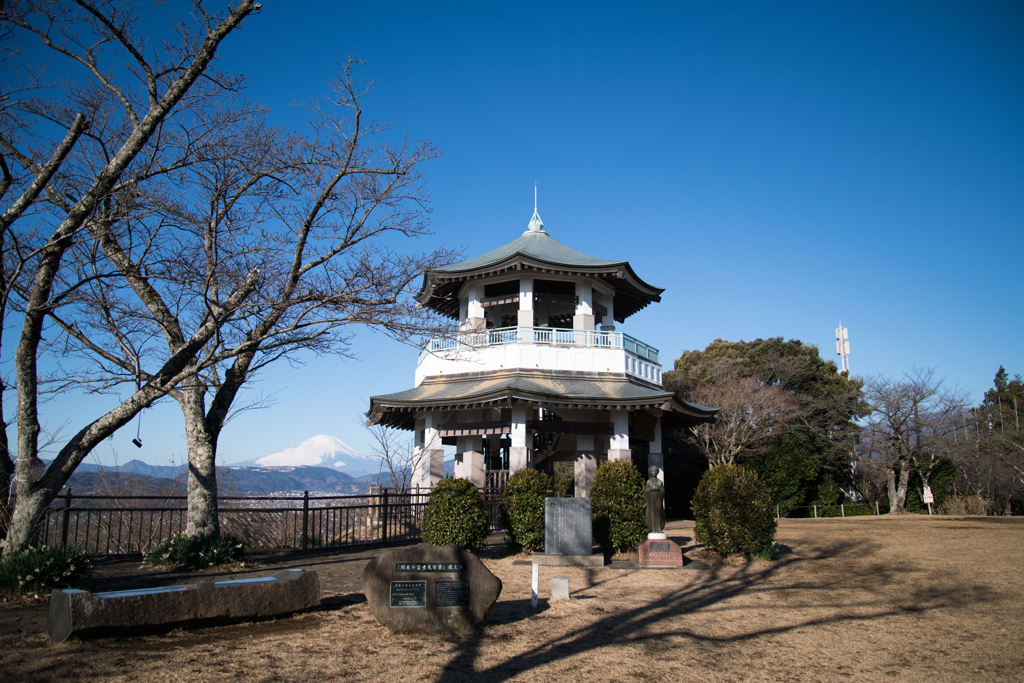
pixel 553 336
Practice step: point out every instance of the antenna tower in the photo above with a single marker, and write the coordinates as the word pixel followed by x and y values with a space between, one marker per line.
pixel 843 346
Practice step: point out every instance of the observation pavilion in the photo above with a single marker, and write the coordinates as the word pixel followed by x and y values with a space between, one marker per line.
pixel 538 372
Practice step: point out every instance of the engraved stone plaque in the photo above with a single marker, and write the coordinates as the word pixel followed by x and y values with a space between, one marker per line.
pixel 408 593
pixel 659 546
pixel 451 594
pixel 568 526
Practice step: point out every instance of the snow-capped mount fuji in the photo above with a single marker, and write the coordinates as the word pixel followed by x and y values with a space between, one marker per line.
pixel 321 450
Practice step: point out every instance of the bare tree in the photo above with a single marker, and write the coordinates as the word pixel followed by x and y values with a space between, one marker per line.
pixel 62 191
pixel 751 412
pixel 312 214
pixel 911 427
pixel 398 454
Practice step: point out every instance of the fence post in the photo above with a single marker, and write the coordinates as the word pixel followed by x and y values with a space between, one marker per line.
pixel 842 509
pixel 815 511
pixel 877 512
pixel 65 518
pixel 305 519
pixel 384 518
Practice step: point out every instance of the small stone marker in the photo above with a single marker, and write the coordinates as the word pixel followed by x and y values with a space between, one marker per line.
pixel 429 589
pixel 659 554
pixel 559 588
pixel 81 613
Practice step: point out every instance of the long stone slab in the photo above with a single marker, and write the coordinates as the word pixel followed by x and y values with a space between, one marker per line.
pixel 82 614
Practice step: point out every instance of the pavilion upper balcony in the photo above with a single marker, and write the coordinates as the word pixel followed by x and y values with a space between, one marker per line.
pixel 539 348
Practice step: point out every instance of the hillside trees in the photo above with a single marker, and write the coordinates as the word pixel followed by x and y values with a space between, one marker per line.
pixel 994 468
pixel 784 411
pixel 74 157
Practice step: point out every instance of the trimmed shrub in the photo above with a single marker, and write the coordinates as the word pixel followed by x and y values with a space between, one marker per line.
pixel 619 507
pixel 180 551
pixel 37 570
pixel 734 512
pixel 455 513
pixel 522 509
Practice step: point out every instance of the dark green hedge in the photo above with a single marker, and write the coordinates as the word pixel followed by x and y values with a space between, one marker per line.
pixel 619 507
pixel 734 512
pixel 522 509
pixel 455 514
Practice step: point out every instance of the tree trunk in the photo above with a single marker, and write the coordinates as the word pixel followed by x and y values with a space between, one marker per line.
pixel 6 472
pixel 203 520
pixel 27 518
pixel 897 489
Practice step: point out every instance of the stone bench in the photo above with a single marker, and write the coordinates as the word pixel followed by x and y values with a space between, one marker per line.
pixel 81 613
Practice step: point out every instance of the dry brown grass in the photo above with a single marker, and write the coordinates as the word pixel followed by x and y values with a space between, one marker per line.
pixel 865 599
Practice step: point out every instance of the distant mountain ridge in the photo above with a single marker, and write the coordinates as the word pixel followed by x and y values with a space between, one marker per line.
pixel 238 481
pixel 321 450
pixel 322 464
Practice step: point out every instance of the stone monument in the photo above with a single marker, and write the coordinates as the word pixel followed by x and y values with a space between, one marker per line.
pixel 429 589
pixel 568 534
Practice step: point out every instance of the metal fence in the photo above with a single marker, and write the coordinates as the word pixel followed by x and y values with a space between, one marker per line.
pixel 844 510
pixel 133 525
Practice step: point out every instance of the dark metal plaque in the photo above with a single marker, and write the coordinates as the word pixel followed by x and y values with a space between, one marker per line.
pixel 408 593
pixel 659 546
pixel 451 594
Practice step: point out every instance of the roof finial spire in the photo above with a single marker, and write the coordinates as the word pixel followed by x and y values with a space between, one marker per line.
pixel 536 224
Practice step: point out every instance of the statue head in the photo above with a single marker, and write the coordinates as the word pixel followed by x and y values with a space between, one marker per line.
pixel 653 471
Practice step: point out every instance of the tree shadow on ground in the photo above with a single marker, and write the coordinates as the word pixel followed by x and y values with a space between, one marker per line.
pixel 647 622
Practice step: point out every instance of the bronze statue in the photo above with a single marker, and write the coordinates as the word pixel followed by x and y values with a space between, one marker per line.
pixel 655 491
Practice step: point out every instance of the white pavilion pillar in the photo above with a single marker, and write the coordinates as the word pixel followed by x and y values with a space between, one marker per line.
pixel 519 452
pixel 609 321
pixel 618 447
pixel 585 466
pixel 469 460
pixel 526 318
pixel 584 318
pixel 474 308
pixel 469 456
pixel 428 458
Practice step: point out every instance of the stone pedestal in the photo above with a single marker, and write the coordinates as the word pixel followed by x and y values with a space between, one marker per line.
pixel 659 554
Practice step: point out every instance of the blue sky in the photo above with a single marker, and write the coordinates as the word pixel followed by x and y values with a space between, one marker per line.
pixel 775 166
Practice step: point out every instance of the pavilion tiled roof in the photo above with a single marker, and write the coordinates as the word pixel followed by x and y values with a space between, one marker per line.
pixel 495 390
pixel 536 251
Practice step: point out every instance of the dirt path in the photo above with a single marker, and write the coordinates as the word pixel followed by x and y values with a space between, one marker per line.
pixel 913 598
